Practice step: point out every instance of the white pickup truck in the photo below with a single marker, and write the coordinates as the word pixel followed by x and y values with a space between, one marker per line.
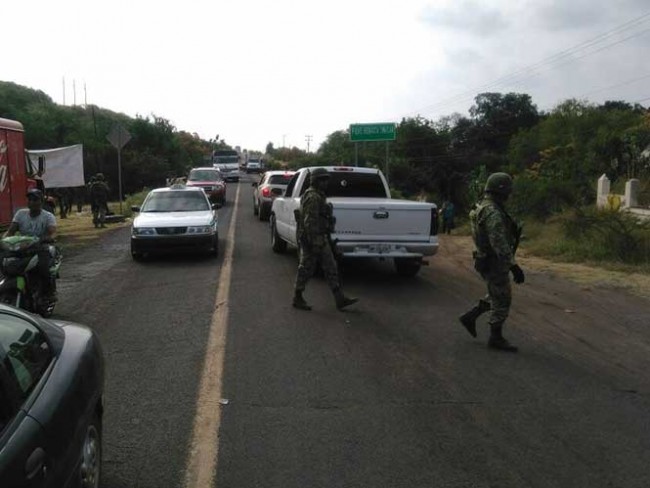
pixel 369 223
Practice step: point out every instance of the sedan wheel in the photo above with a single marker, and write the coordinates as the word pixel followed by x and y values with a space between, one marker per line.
pixel 255 207
pixel 91 456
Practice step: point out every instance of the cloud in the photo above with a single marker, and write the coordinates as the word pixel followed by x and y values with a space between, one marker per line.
pixel 468 16
pixel 560 15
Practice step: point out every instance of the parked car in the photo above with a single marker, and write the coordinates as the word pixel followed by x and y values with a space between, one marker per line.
pixel 254 166
pixel 369 223
pixel 271 185
pixel 175 218
pixel 51 393
pixel 211 181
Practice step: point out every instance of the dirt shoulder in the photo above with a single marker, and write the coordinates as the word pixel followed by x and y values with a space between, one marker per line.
pixel 636 283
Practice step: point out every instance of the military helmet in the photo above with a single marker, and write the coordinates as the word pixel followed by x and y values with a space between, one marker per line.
pixel 317 174
pixel 99 177
pixel 499 183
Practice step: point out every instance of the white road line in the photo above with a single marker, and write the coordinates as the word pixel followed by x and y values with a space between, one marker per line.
pixel 204 449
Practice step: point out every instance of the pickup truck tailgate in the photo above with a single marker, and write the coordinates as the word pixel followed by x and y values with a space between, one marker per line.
pixel 380 219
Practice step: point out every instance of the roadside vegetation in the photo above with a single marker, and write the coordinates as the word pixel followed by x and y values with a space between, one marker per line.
pixel 555 157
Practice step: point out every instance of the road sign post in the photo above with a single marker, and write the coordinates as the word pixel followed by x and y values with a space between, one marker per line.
pixel 118 137
pixel 372 133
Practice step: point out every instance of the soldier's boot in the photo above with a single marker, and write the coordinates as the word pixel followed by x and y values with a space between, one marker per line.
pixel 468 319
pixel 299 301
pixel 497 341
pixel 341 300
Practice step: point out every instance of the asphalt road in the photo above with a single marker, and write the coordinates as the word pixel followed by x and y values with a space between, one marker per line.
pixel 392 393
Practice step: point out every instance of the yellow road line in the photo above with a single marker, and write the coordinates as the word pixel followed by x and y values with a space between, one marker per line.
pixel 204 449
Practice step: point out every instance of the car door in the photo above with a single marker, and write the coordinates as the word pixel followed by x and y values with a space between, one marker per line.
pixel 25 358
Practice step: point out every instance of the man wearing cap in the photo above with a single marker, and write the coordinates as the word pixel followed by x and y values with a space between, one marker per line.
pixel 315 223
pixel 36 222
pixel 496 237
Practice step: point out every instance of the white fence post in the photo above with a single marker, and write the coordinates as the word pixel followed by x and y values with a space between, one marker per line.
pixel 632 193
pixel 603 191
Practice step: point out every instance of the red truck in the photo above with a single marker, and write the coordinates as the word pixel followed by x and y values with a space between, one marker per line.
pixel 16 172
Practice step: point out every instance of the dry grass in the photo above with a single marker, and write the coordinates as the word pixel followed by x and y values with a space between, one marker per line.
pixel 77 230
pixel 615 275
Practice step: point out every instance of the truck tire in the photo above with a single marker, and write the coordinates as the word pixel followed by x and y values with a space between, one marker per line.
pixel 408 267
pixel 277 244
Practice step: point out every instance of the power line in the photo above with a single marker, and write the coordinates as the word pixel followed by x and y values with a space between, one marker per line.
pixel 553 59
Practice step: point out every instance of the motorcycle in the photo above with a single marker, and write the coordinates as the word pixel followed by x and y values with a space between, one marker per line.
pixel 21 285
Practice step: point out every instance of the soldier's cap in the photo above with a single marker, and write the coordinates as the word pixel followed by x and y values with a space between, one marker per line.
pixel 34 194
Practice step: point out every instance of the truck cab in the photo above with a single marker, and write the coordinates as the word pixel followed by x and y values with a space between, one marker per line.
pixel 16 172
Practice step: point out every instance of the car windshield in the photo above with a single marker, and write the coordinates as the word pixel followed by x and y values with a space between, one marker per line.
pixel 204 175
pixel 176 201
pixel 280 179
pixel 349 184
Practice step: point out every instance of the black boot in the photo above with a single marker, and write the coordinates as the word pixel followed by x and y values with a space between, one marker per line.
pixel 497 341
pixel 341 300
pixel 468 319
pixel 299 302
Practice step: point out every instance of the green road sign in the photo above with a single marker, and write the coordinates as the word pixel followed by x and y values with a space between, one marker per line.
pixel 372 132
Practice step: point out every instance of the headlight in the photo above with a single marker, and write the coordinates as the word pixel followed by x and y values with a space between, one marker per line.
pixel 204 229
pixel 144 231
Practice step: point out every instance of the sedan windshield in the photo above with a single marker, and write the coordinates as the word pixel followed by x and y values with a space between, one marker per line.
pixel 204 175
pixel 176 201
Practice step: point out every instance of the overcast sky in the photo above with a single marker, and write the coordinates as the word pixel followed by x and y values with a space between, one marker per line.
pixel 255 71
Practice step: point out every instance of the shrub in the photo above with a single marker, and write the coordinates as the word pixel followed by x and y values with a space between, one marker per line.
pixel 608 235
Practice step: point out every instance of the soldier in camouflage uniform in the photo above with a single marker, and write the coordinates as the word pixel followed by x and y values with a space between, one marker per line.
pixel 496 237
pixel 315 222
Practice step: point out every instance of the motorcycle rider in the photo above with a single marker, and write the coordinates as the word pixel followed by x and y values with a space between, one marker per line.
pixel 37 222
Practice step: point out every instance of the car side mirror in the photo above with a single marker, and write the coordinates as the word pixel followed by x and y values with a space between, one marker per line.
pixel 135 208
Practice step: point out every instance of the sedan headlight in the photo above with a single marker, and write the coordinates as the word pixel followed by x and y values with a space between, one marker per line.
pixel 204 229
pixel 144 231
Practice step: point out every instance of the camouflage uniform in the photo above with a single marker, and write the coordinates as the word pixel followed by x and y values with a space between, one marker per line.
pixel 315 222
pixel 496 237
pixel 99 200
pixel 314 228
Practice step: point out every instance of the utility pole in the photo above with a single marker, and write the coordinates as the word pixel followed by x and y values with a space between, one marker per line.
pixel 308 139
pixel 74 92
pixel 85 96
pixel 64 90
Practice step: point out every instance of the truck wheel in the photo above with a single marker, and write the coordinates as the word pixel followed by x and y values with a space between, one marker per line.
pixel 407 267
pixel 277 244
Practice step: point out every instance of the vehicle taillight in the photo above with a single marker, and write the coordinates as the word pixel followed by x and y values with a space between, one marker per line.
pixel 434 222
pixel 266 192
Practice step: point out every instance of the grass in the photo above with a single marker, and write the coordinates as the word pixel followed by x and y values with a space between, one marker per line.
pixel 77 230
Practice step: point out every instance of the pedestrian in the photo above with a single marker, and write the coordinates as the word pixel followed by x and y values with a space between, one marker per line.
pixel 448 215
pixel 99 200
pixel 496 238
pixel 315 222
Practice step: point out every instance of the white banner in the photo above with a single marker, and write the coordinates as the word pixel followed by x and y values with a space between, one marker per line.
pixel 64 166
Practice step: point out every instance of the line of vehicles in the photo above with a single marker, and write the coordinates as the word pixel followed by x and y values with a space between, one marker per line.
pixel 52 373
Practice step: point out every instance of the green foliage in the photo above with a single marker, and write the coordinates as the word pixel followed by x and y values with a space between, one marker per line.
pixel 608 236
pixel 156 150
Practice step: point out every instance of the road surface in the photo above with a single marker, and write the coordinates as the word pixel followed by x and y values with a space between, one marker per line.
pixel 393 393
